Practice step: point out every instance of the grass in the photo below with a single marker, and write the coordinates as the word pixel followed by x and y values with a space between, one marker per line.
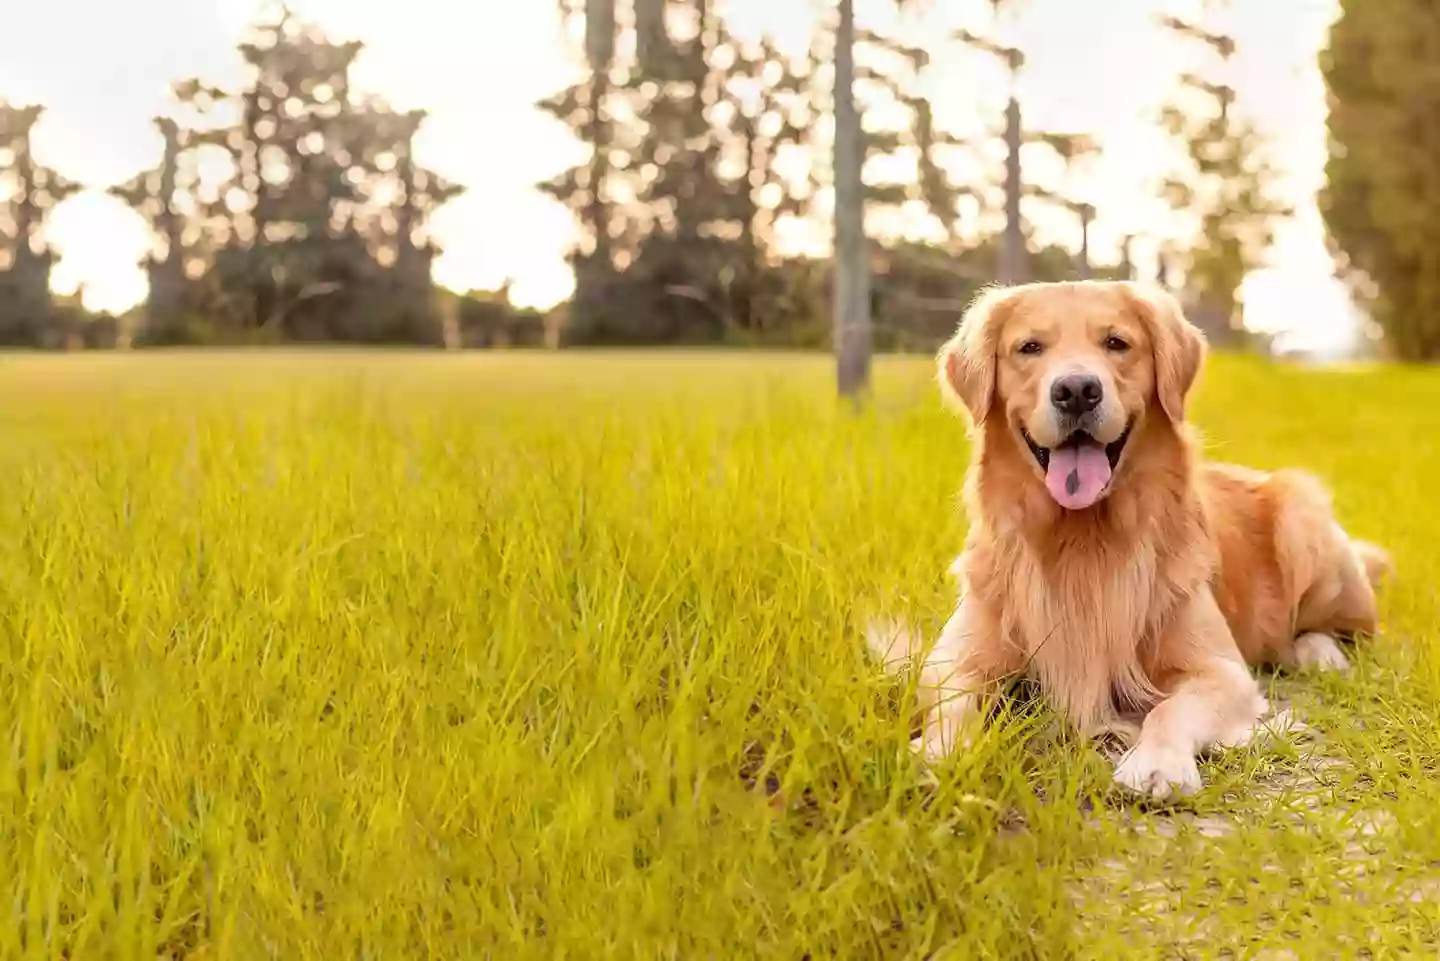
pixel 513 656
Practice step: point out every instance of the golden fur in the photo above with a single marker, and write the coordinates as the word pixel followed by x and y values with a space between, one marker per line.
pixel 1151 604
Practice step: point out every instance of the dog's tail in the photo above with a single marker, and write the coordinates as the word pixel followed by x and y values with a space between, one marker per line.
pixel 1374 561
pixel 895 644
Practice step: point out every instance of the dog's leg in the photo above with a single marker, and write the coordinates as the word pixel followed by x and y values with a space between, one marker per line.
pixel 968 657
pixel 948 689
pixel 1213 701
pixel 950 678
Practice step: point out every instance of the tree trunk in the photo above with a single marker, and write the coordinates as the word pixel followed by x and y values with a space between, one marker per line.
pixel 851 307
pixel 1012 266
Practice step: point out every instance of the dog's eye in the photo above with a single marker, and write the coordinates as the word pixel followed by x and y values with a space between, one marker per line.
pixel 1117 344
pixel 1031 347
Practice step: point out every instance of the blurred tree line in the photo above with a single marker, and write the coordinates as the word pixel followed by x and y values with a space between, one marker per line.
pixel 294 210
pixel 706 151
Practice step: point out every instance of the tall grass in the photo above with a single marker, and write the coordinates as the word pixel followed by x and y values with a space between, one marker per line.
pixel 388 656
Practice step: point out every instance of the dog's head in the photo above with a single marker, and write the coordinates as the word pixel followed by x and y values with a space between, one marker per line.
pixel 1075 370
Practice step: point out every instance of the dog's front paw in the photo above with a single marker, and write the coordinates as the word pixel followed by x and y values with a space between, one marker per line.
pixel 940 741
pixel 1319 652
pixel 931 747
pixel 927 749
pixel 1158 772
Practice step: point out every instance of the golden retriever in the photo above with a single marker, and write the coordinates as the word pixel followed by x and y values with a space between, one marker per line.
pixel 1104 559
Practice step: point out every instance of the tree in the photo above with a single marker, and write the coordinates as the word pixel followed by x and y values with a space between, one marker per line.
pixel 680 197
pixel 697 147
pixel 1225 188
pixel 33 191
pixel 318 232
pixel 584 107
pixel 888 75
pixel 1073 150
pixel 1382 201
pixel 1012 258
pixel 852 324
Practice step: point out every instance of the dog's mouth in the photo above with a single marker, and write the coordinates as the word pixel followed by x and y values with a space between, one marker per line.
pixel 1078 472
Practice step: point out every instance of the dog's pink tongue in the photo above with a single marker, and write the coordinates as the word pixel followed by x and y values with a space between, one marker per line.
pixel 1077 475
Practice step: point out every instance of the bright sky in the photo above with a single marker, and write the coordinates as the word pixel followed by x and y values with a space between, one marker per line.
pixel 102 69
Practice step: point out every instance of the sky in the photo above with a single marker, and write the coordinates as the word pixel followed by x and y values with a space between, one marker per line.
pixel 103 70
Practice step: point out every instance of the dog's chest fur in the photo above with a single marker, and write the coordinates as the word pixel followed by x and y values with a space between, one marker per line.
pixel 1086 614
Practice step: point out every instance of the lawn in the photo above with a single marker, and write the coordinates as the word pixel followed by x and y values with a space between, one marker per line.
pixel 410 655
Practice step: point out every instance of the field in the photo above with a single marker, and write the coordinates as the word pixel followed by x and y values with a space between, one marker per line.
pixel 409 655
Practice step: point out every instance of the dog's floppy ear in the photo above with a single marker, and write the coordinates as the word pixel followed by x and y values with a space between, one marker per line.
pixel 967 361
pixel 1179 347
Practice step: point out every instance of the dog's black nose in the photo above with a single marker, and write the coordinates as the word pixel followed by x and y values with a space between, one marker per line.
pixel 1076 394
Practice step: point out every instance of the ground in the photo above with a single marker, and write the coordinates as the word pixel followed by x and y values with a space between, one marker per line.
pixel 526 655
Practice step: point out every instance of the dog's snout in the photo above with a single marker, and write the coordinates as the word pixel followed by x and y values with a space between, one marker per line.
pixel 1076 394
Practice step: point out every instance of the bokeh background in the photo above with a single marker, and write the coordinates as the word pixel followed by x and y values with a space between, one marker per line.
pixel 667 171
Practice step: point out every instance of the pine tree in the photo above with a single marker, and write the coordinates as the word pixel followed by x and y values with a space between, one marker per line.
pixel 319 232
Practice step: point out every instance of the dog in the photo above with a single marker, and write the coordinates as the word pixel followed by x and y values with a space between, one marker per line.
pixel 1137 584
